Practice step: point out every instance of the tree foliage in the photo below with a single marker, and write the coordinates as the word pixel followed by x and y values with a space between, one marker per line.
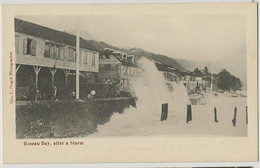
pixel 197 72
pixel 205 71
pixel 228 82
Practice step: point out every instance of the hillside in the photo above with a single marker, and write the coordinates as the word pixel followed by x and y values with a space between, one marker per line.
pixel 138 53
pixel 191 65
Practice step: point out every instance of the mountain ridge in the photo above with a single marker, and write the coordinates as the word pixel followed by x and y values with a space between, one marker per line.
pixel 138 53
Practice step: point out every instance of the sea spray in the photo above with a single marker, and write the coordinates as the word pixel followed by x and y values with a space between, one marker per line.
pixel 151 91
pixel 180 100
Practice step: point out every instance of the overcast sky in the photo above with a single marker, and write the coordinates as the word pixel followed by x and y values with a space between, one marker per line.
pixel 197 37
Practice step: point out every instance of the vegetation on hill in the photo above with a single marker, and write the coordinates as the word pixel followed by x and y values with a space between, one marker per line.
pixel 138 53
pixel 228 82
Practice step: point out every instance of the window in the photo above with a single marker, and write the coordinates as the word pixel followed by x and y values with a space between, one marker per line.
pixel 29 47
pixel 85 57
pixel 89 57
pixel 107 56
pixel 62 53
pixel 56 52
pixel 47 50
pixel 93 59
pixel 52 51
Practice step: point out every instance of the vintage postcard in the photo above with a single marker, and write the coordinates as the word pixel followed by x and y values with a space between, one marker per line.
pixel 225 167
pixel 130 83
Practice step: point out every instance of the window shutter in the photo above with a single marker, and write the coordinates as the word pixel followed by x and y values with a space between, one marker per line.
pixel 54 52
pixel 62 53
pixel 33 47
pixel 89 58
pixel 85 57
pixel 93 58
pixel 24 46
pixel 57 50
pixel 51 51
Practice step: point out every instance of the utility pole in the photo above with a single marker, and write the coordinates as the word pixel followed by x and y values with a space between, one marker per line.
pixel 77 63
pixel 211 83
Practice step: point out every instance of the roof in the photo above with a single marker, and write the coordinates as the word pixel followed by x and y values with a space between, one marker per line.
pixel 116 54
pixel 162 67
pixel 49 34
pixel 185 73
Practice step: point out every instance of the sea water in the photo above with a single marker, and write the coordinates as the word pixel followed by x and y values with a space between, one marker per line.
pixel 152 90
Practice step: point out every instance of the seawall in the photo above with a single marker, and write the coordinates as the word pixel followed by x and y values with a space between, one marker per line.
pixel 68 118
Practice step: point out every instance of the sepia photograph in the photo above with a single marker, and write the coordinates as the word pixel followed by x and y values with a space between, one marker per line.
pixel 155 78
pixel 79 76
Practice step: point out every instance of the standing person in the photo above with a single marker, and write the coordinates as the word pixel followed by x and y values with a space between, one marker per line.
pixel 90 96
pixel 93 93
pixel 54 92
pixel 38 95
pixel 109 84
pixel 73 95
pixel 117 88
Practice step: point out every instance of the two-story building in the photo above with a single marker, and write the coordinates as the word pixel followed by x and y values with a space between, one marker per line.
pixel 46 59
pixel 120 69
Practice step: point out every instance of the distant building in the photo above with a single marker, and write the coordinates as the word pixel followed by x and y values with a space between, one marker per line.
pixel 168 72
pixel 119 68
pixel 46 58
pixel 192 82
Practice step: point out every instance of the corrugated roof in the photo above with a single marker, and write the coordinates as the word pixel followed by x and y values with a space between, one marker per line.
pixel 184 73
pixel 49 34
pixel 162 67
pixel 108 51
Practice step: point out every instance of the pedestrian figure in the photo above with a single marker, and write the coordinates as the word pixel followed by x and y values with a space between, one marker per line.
pixel 54 92
pixel 73 95
pixel 215 114
pixel 235 117
pixel 109 85
pixel 117 88
pixel 38 95
pixel 91 94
